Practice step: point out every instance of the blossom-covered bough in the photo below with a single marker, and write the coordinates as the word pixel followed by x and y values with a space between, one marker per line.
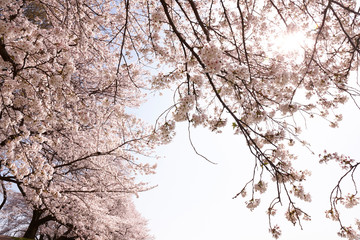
pixel 231 62
pixel 71 68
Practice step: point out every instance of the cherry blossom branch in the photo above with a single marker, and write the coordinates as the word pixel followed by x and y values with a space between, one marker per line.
pixel 336 194
pixel 201 23
pixel 96 154
pixel 4 195
pixel 7 58
pixel 192 145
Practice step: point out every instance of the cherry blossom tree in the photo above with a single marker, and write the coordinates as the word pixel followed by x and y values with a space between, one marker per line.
pixel 67 143
pixel 111 216
pixel 17 217
pixel 71 69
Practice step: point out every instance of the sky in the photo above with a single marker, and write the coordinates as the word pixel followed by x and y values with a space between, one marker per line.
pixel 193 199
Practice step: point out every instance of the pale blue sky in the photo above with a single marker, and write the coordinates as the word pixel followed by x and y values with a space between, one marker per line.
pixel 194 198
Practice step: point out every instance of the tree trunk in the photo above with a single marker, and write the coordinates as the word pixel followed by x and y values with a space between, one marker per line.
pixel 34 225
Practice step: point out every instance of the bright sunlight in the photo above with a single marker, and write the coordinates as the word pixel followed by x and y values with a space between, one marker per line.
pixel 289 44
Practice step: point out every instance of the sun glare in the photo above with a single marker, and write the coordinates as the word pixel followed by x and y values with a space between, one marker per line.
pixel 291 42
